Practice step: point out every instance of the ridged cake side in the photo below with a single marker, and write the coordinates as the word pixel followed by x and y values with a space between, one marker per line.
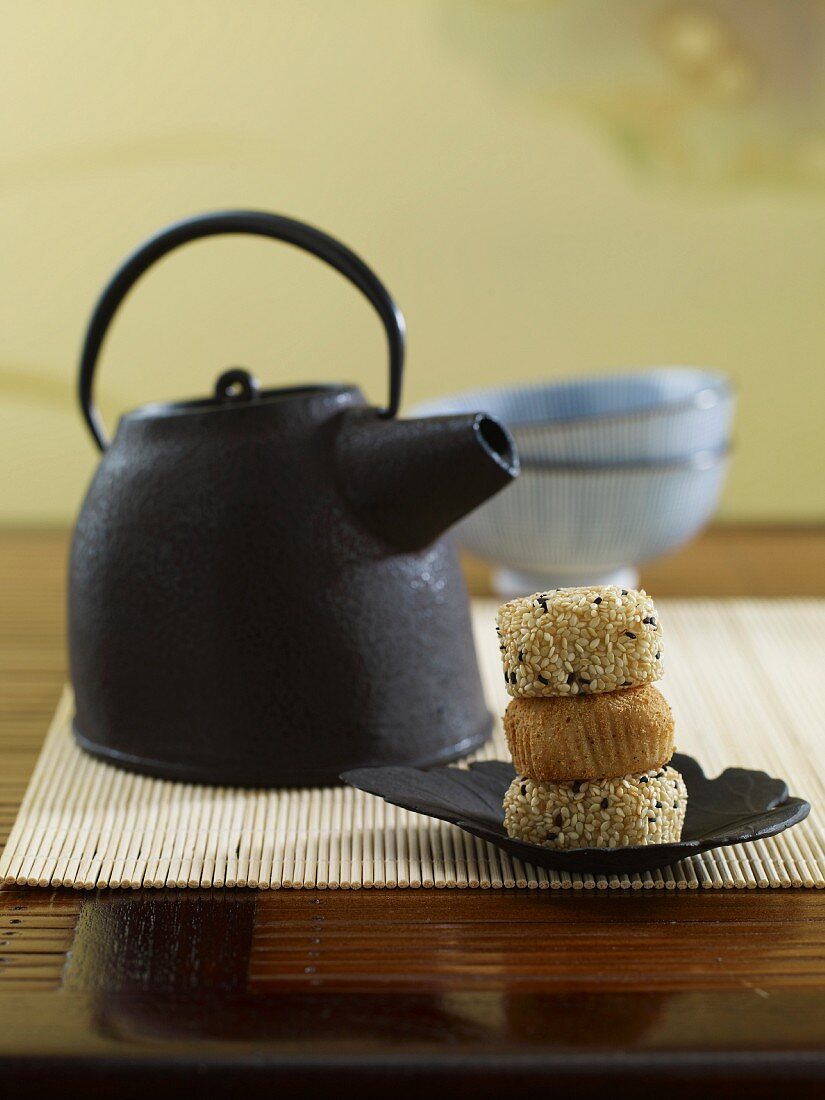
pixel 585 737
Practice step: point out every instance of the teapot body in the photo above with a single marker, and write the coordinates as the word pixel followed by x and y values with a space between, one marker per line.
pixel 259 594
pixel 233 619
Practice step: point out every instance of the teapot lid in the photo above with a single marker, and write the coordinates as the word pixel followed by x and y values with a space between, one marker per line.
pixel 239 388
pixel 236 385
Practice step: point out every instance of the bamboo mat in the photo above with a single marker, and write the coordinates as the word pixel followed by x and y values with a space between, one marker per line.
pixel 744 677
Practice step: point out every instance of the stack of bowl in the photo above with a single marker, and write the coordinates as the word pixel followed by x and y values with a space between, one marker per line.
pixel 615 470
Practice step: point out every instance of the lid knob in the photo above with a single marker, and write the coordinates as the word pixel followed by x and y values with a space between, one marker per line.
pixel 235 385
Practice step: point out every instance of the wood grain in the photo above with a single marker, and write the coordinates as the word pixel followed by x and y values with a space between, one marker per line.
pixel 559 942
pixel 127 992
pixel 36 934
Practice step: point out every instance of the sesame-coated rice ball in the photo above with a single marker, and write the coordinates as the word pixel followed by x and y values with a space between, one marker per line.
pixel 598 813
pixel 579 640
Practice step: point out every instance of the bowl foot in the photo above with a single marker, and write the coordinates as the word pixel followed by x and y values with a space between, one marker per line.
pixel 509 583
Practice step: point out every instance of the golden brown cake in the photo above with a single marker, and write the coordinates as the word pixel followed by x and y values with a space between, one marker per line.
pixel 590 736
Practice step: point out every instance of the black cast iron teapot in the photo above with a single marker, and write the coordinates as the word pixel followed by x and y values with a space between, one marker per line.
pixel 259 593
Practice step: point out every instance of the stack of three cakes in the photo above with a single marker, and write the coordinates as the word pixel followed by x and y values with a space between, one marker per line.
pixel 590 735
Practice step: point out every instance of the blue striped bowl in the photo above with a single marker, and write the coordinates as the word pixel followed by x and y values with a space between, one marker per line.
pixel 660 416
pixel 568 525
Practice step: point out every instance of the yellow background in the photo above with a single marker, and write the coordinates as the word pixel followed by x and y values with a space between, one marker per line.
pixel 548 188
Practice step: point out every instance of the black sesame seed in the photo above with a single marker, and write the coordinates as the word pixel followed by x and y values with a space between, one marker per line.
pixel 652 819
pixel 542 680
pixel 542 602
pixel 506 677
pixel 501 648
pixel 624 591
pixel 598 599
pixel 523 790
pixel 675 805
pixel 512 677
pixel 629 634
pixel 558 820
pixel 604 803
pixel 649 621
pixel 658 655
pixel 577 785
pixel 521 654
pixel 658 805
pixel 643 779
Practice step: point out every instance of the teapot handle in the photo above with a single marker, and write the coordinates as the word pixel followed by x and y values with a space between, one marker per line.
pixel 254 222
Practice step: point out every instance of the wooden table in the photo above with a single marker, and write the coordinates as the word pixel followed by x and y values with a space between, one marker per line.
pixel 279 993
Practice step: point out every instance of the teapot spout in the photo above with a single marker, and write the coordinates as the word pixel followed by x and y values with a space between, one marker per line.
pixel 411 480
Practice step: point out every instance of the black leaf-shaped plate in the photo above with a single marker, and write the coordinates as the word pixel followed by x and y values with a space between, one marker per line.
pixel 738 806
